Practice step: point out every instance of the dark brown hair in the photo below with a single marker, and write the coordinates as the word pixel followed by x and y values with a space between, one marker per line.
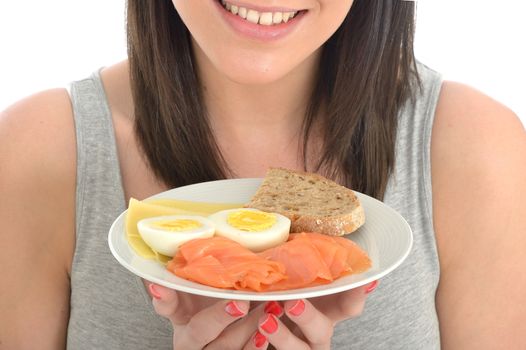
pixel 366 74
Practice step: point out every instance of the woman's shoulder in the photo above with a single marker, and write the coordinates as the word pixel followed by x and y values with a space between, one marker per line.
pixel 478 153
pixel 37 139
pixel 38 157
pixel 42 126
pixel 472 119
pixel 478 160
pixel 475 133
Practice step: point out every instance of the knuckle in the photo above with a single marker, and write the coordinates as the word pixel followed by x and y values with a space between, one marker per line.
pixel 218 317
pixel 196 334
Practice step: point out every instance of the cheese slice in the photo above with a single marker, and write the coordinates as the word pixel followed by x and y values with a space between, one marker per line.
pixel 200 208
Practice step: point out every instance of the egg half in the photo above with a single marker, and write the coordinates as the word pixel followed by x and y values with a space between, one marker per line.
pixel 252 228
pixel 165 234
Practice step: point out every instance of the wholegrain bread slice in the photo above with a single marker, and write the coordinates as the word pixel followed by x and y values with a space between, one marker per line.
pixel 312 202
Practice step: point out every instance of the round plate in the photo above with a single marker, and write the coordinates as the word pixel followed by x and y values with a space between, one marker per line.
pixel 385 236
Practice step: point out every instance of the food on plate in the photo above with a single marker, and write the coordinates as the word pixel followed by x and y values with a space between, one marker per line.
pixel 312 259
pixel 305 260
pixel 164 234
pixel 222 263
pixel 285 238
pixel 138 210
pixel 203 208
pixel 253 229
pixel 312 202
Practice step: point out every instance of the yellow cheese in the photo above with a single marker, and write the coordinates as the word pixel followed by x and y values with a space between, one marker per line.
pixel 138 210
pixel 202 208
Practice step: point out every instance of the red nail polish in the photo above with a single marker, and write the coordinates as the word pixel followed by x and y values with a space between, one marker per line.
pixel 298 308
pixel 154 292
pixel 274 308
pixel 270 325
pixel 233 310
pixel 259 340
pixel 371 287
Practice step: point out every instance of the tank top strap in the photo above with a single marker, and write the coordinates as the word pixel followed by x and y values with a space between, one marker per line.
pixel 98 171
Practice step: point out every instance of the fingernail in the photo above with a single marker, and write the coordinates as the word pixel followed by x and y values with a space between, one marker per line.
pixel 154 292
pixel 233 310
pixel 298 308
pixel 274 308
pixel 259 340
pixel 371 287
pixel 270 325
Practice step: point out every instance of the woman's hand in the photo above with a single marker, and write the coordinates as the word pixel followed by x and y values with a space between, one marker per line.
pixel 206 323
pixel 310 323
pixel 196 320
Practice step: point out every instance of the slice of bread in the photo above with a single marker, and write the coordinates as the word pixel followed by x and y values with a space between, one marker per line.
pixel 312 202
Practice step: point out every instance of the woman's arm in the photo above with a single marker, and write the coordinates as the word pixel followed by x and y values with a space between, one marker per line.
pixel 479 199
pixel 37 214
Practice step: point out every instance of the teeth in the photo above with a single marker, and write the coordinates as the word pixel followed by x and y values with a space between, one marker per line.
pixel 242 12
pixel 263 18
pixel 277 17
pixel 266 18
pixel 253 16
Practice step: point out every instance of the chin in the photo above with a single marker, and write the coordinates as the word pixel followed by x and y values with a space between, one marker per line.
pixel 257 68
pixel 247 74
pixel 253 65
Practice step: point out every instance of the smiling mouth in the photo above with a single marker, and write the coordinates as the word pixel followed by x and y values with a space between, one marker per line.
pixel 257 17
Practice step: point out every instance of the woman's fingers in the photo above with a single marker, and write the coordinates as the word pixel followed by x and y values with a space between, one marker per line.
pixel 240 333
pixel 165 301
pixel 214 326
pixel 344 305
pixel 257 342
pixel 207 324
pixel 277 334
pixel 196 322
pixel 315 322
pixel 176 306
pixel 315 326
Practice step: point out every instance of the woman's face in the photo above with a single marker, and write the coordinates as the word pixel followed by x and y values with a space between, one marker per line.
pixel 260 41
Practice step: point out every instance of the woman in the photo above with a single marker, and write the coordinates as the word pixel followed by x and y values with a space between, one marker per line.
pixel 214 90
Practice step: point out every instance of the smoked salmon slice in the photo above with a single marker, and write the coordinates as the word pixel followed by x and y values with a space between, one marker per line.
pixel 222 263
pixel 312 259
pixel 305 260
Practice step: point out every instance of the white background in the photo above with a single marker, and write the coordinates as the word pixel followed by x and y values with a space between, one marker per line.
pixel 48 43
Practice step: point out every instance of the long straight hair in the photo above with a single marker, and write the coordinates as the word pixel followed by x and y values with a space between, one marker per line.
pixel 366 75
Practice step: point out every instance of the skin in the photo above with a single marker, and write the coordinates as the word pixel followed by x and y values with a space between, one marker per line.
pixel 478 155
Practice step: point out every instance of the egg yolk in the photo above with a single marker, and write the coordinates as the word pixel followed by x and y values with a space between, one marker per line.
pixel 251 221
pixel 176 225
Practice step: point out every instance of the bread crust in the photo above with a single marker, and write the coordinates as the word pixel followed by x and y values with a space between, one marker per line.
pixel 312 202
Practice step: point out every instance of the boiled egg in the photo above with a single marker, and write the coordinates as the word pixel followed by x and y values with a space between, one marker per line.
pixel 165 234
pixel 252 228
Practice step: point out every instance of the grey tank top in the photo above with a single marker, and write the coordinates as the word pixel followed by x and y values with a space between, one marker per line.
pixel 110 308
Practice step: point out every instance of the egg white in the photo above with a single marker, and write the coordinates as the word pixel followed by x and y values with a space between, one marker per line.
pixel 254 240
pixel 168 242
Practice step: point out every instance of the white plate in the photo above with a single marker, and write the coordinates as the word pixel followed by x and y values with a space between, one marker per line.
pixel 385 236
